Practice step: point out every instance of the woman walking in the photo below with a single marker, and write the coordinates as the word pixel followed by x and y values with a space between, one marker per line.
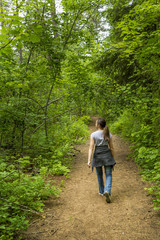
pixel 101 143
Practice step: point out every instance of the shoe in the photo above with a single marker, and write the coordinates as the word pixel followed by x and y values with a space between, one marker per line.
pixel 108 197
pixel 101 194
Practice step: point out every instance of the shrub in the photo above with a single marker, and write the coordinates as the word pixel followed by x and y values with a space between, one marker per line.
pixel 145 145
pixel 21 196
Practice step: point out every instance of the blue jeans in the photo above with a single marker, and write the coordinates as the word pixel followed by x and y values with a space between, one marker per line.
pixel 108 184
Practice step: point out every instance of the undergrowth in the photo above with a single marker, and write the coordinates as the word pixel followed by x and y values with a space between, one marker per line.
pixel 24 180
pixel 145 147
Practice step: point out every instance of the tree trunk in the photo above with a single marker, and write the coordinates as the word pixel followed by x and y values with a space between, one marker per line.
pixel 54 16
pixel 1 6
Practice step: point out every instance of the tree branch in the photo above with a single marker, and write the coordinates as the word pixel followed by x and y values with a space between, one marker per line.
pixel 24 208
pixel 69 34
pixel 52 102
pixel 29 57
pixel 7 175
pixel 47 119
pixel 35 101
pixel 7 43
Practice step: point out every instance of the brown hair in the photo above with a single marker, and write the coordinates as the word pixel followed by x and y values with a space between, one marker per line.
pixel 102 123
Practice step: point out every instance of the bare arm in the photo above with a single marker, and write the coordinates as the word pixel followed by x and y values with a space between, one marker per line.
pixel 111 146
pixel 91 147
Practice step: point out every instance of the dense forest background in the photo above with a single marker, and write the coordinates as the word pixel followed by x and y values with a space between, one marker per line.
pixel 94 57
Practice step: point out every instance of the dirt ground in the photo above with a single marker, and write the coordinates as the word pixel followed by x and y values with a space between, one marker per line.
pixel 80 213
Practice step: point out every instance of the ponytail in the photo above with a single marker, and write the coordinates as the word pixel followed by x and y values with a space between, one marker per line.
pixel 102 124
pixel 106 133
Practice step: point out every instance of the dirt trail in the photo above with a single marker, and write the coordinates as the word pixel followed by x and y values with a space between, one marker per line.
pixel 81 214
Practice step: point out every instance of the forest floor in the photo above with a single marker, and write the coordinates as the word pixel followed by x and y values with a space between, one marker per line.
pixel 80 213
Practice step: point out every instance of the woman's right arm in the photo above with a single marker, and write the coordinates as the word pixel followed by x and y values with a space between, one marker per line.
pixel 111 146
pixel 91 147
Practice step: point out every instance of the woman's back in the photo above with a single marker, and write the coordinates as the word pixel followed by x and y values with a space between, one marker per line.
pixel 98 137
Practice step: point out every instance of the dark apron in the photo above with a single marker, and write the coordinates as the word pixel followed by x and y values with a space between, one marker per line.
pixel 102 157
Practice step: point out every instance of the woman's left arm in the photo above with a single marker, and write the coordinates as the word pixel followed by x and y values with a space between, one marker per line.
pixel 91 147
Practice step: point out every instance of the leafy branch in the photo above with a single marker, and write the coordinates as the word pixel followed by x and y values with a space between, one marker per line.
pixel 8 43
pixel 22 207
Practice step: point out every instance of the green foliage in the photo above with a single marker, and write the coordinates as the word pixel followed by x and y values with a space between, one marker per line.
pixel 26 185
pixel 21 195
pixel 59 169
pixel 155 177
pixel 23 163
pixel 125 124
pixel 55 69
pixel 86 119
pixel 129 94
pixel 145 144
pixel 45 98
pixel 147 157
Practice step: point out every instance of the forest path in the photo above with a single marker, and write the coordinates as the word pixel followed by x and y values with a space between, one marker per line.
pixel 82 214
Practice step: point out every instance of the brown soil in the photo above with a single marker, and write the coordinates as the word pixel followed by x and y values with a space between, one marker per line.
pixel 81 214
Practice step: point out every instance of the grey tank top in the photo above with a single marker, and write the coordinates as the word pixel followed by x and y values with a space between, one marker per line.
pixel 99 138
